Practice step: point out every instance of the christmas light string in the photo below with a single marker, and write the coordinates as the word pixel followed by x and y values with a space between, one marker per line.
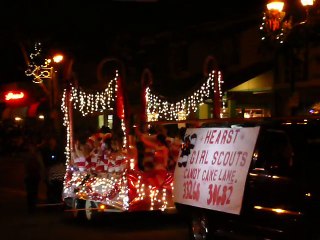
pixel 88 103
pixel 161 109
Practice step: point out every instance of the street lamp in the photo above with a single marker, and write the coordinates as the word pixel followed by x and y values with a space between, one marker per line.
pixel 57 58
pixel 290 31
pixel 54 83
pixel 276 23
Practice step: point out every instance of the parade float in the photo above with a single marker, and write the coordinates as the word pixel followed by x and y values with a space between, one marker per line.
pixel 102 169
pixel 101 166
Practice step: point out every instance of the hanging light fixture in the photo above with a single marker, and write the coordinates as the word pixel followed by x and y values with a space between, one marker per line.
pixel 275 15
pixel 276 24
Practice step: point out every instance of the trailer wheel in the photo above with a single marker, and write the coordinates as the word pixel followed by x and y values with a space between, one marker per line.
pixel 76 205
pixel 90 208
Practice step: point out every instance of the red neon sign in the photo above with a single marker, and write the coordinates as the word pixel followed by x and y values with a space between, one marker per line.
pixel 14 95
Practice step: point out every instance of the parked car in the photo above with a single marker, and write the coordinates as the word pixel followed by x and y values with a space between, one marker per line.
pixel 281 197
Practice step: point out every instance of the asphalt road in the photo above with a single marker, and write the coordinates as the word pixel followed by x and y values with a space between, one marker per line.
pixel 52 222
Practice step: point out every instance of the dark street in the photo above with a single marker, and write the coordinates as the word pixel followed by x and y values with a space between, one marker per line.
pixel 52 222
pixel 157 119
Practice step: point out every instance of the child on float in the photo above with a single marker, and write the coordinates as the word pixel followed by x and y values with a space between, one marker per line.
pixel 161 155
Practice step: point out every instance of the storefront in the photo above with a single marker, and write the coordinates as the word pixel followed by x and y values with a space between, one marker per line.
pixel 252 98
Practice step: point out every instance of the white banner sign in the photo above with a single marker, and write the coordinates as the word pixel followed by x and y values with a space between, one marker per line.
pixel 213 166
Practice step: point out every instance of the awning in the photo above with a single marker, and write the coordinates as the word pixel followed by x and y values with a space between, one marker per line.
pixel 260 83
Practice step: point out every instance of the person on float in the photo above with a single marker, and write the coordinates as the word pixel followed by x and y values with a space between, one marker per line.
pixel 161 155
pixel 145 154
pixel 99 146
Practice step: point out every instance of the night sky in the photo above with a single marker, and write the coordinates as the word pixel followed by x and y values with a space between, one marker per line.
pixel 83 25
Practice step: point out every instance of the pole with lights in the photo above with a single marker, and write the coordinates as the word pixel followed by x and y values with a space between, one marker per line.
pixel 286 29
pixel 210 70
pixel 43 71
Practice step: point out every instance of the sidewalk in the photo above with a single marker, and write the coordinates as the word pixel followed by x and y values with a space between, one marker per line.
pixel 17 223
pixel 12 189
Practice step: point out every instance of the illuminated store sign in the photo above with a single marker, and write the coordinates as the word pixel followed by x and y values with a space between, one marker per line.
pixel 14 96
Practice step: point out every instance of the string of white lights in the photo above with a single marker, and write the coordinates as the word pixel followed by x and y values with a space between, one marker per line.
pixel 159 109
pixel 88 103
